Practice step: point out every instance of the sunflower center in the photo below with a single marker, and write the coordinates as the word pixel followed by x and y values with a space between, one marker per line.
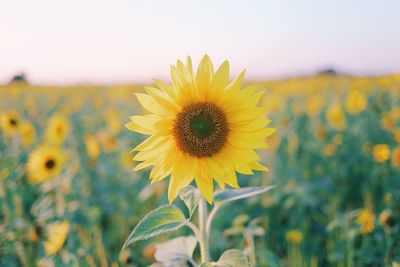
pixel 201 125
pixel 50 163
pixel 201 130
pixel 13 122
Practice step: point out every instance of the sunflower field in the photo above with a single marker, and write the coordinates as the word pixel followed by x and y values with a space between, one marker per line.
pixel 69 196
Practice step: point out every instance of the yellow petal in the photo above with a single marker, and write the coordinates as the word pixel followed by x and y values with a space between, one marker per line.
pixel 144 124
pixel 258 166
pixel 175 185
pixel 205 184
pixel 152 105
pixel 235 85
pixel 204 77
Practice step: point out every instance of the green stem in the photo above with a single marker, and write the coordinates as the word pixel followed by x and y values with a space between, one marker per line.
pixel 203 231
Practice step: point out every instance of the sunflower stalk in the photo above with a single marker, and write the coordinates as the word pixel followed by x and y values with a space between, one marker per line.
pixel 204 248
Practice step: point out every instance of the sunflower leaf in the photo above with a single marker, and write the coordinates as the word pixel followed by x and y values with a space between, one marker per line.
pixel 177 249
pixel 191 197
pixel 164 219
pixel 233 258
pixel 223 196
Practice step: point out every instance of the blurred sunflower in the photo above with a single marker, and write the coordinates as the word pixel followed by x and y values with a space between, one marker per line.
pixel 335 116
pixel 381 152
pixel 28 133
pixel 386 219
pixel 57 129
pixel 396 157
pixel 366 219
pixel 294 236
pixel 44 163
pixel 92 145
pixel 10 122
pixel 57 234
pixel 201 127
pixel 356 102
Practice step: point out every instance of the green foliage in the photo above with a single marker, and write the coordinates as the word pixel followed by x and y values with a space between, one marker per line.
pixel 164 219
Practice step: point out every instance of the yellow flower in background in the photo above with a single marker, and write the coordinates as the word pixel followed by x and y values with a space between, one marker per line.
pixel 10 122
pixel 92 146
pixel 335 116
pixel 113 121
pixel 388 122
pixel 396 157
pixel 366 219
pixel 396 264
pixel 315 104
pixel 201 128
pixel 57 234
pixel 44 163
pixel 294 236
pixel 386 218
pixel 381 152
pixel 27 133
pixel 330 150
pixel 57 129
pixel 397 135
pixel 356 102
pixel 273 103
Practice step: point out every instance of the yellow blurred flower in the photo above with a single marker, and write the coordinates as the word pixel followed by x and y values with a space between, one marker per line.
pixel 10 122
pixel 113 120
pixel 208 125
pixel 396 157
pixel 330 150
pixel 294 236
pixel 44 163
pixel 388 122
pixel 381 152
pixel 27 133
pixel 315 104
pixel 57 129
pixel 366 219
pixel 396 134
pixel 273 103
pixel 92 146
pixel 335 116
pixel 57 234
pixel 356 102
pixel 386 218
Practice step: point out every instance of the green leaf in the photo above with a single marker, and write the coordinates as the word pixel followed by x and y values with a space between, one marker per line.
pixel 180 248
pixel 191 197
pixel 223 196
pixel 233 258
pixel 164 219
pixel 269 259
pixel 206 264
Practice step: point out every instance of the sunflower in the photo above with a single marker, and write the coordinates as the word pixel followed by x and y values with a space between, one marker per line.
pixel 294 236
pixel 44 163
pixel 356 102
pixel 201 128
pixel 335 116
pixel 366 220
pixel 10 122
pixel 57 129
pixel 381 152
pixel 28 133
pixel 57 234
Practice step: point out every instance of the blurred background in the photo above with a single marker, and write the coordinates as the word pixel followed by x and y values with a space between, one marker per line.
pixel 331 75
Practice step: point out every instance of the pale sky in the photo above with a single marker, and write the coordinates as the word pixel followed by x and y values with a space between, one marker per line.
pixel 107 41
